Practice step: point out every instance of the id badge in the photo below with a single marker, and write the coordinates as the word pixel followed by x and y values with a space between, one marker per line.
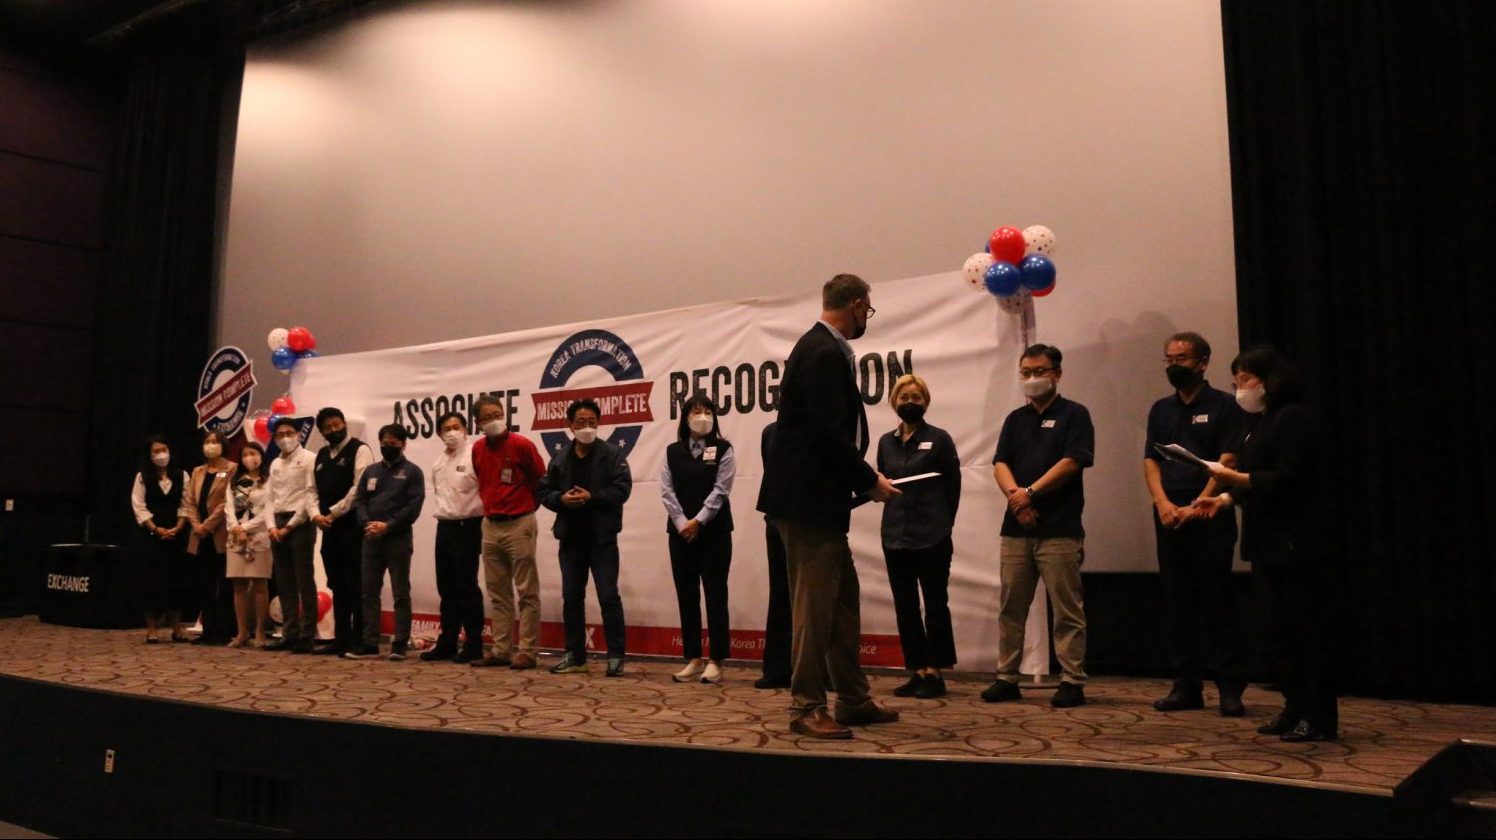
pixel 373 482
pixel 709 455
pixel 506 475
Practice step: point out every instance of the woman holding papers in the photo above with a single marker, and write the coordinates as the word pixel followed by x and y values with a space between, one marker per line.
pixel 917 535
pixel 1276 486
pixel 694 485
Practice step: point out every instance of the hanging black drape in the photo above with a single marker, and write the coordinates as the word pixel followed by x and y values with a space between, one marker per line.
pixel 1361 146
pixel 155 316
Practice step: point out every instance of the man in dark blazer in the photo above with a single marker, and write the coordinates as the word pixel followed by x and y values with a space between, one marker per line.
pixel 586 485
pixel 815 467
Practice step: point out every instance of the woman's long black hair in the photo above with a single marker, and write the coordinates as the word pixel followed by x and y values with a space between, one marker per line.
pixel 683 431
pixel 148 468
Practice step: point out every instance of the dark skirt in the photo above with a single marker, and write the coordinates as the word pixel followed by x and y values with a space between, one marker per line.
pixel 169 581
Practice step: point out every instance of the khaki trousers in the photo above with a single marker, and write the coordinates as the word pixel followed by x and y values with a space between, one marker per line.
pixel 827 619
pixel 1056 560
pixel 509 570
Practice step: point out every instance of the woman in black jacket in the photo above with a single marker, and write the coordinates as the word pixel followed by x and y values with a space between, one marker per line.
pixel 1277 484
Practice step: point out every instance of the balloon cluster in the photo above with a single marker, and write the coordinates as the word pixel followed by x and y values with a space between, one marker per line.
pixel 262 420
pixel 287 347
pixel 1015 266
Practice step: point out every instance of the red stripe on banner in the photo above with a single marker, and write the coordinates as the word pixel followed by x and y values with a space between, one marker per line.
pixel 225 394
pixel 626 402
pixel 658 641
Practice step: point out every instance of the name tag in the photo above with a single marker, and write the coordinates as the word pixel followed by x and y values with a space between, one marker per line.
pixel 223 475
pixel 709 455
pixel 373 482
pixel 506 475
pixel 1202 418
pixel 929 444
pixel 1047 424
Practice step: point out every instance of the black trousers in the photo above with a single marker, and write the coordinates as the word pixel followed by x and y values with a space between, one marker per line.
pixel 1194 564
pixel 215 595
pixel 459 542
pixel 778 624
pixel 342 562
pixel 1299 609
pixel 928 641
pixel 700 566
pixel 601 561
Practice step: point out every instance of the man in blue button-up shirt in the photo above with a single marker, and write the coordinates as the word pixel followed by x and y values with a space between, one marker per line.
pixel 390 495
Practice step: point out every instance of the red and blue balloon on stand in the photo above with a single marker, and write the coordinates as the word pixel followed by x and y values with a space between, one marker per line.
pixel 1015 266
pixel 287 347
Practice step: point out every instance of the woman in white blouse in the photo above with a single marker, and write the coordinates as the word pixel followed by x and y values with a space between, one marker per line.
pixel 249 564
pixel 159 502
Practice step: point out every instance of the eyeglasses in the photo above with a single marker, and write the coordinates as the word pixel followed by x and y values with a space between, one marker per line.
pixel 1030 373
pixel 871 312
pixel 1179 360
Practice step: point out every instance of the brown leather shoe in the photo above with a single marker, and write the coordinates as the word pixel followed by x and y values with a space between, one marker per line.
pixel 522 661
pixel 865 714
pixel 490 661
pixel 818 724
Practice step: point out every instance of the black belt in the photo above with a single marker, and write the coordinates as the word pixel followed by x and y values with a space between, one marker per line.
pixel 505 517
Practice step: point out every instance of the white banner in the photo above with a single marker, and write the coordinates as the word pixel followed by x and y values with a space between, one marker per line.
pixel 639 368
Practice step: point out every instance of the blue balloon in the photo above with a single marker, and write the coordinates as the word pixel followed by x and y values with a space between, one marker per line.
pixel 307 354
pixel 1003 279
pixel 272 420
pixel 283 359
pixel 1037 271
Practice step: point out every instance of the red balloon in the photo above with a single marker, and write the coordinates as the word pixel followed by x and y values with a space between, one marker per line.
pixel 324 603
pixel 300 339
pixel 1007 245
pixel 262 430
pixel 1045 292
pixel 283 405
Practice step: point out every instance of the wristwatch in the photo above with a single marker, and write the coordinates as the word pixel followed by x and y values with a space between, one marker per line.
pixel 1030 491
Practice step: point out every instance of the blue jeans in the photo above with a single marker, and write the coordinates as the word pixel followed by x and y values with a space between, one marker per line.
pixel 602 562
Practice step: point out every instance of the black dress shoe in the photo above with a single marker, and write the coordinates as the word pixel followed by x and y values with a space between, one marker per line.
pixel 1181 698
pixel 302 647
pixel 327 650
pixel 1000 691
pixel 463 657
pixel 932 687
pixel 1068 696
pixel 767 682
pixel 1282 724
pixel 278 646
pixel 439 653
pixel 1307 731
pixel 907 689
pixel 1231 705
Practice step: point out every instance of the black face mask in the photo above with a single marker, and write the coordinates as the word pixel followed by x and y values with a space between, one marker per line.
pixel 911 413
pixel 391 453
pixel 1182 377
pixel 337 437
pixel 859 330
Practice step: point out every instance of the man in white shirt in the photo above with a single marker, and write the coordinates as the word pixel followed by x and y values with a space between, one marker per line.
pixel 459 542
pixel 292 501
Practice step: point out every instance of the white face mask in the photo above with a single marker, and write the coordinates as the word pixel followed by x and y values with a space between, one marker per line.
pixel 493 428
pixel 1252 400
pixel 701 424
pixel 211 451
pixel 453 439
pixel 161 459
pixel 1037 387
pixel 288 444
pixel 585 436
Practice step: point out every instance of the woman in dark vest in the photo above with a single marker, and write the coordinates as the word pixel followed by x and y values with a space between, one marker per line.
pixel 158 499
pixel 917 536
pixel 695 484
pixel 1278 485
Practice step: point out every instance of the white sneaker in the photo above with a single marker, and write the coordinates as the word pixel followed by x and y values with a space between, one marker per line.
pixel 713 674
pixel 688 673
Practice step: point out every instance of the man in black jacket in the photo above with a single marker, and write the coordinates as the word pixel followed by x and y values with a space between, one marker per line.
pixel 586 485
pixel 814 469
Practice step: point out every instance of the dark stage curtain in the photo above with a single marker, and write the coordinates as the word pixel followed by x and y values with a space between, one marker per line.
pixel 1361 145
pixel 155 316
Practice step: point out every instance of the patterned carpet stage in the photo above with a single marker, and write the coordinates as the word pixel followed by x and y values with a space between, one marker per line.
pixel 1382 741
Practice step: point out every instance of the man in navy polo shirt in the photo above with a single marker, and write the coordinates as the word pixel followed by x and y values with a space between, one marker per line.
pixel 1041 451
pixel 1194 550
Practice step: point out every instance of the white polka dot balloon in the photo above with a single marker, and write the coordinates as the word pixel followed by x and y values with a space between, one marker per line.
pixel 975 271
pixel 1039 239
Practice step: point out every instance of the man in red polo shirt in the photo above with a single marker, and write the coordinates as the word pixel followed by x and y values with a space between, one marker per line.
pixel 509 469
